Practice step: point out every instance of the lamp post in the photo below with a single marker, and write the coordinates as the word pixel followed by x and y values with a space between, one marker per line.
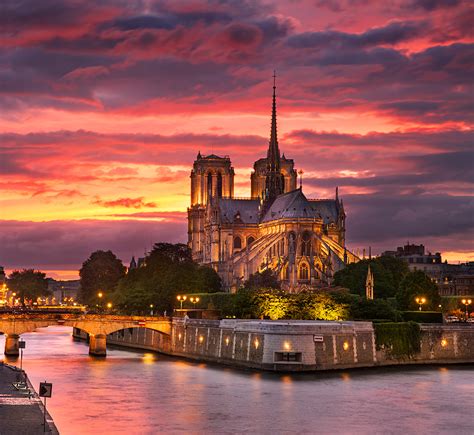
pixel 109 305
pixel 466 303
pixel 194 300
pixel 181 299
pixel 420 302
pixel 151 309
pixel 100 295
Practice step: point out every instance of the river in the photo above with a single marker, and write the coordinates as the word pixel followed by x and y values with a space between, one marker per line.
pixel 132 392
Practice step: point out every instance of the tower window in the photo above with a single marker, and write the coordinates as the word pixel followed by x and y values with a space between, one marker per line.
pixel 250 240
pixel 209 185
pixel 219 185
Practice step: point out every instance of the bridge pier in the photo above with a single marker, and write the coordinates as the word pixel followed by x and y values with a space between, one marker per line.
pixel 97 344
pixel 11 344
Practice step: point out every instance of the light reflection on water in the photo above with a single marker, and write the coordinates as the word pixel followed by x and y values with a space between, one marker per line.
pixel 147 393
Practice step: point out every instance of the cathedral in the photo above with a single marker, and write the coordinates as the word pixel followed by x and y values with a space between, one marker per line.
pixel 301 240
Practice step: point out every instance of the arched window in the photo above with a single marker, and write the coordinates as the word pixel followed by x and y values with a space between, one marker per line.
pixel 285 273
pixel 237 243
pixel 209 185
pixel 219 185
pixel 250 240
pixel 304 272
pixel 306 244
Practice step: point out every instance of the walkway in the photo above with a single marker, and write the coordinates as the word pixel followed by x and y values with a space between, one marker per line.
pixel 19 414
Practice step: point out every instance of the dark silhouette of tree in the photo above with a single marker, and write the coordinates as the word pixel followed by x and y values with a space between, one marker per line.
pixel 28 284
pixel 417 284
pixel 258 280
pixel 99 273
pixel 388 274
pixel 169 270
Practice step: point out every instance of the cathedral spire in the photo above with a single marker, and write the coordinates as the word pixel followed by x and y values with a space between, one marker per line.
pixel 273 154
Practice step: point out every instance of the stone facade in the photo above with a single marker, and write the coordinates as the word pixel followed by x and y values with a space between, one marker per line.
pixel 296 345
pixel 278 228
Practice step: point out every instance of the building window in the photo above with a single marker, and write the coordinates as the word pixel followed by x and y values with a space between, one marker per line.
pixel 304 272
pixel 306 244
pixel 209 185
pixel 219 185
pixel 237 243
pixel 288 357
pixel 250 240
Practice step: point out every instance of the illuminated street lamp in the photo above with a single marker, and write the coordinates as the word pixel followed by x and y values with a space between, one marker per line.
pixel 420 302
pixel 466 303
pixel 109 305
pixel 151 309
pixel 194 300
pixel 181 299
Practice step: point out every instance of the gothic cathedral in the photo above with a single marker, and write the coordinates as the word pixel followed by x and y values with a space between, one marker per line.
pixel 302 240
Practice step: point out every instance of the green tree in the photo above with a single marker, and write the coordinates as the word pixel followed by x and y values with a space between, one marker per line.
pixel 271 303
pixel 99 273
pixel 28 284
pixel 388 273
pixel 417 284
pixel 371 309
pixel 169 270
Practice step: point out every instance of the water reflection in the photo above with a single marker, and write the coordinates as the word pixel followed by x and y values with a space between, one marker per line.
pixel 146 393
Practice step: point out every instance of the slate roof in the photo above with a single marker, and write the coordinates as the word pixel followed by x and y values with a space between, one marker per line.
pixel 247 209
pixel 295 205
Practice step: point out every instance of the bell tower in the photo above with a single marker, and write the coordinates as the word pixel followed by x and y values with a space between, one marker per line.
pixel 211 177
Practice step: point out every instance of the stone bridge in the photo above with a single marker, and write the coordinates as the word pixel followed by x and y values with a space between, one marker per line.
pixel 97 326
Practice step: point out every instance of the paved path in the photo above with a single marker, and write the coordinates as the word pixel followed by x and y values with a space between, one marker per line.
pixel 19 413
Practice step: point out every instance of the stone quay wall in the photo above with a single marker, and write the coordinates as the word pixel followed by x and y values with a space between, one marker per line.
pixel 294 345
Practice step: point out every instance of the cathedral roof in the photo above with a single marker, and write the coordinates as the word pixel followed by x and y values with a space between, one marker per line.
pixel 239 210
pixel 294 204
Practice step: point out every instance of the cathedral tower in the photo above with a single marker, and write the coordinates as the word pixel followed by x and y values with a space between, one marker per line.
pixel 211 177
pixel 274 174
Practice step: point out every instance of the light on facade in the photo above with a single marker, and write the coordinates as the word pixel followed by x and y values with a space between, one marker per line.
pixel 201 339
pixel 287 345
pixel 444 342
pixel 345 345
pixel 256 343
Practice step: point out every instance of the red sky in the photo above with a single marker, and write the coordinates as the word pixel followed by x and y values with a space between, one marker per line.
pixel 104 106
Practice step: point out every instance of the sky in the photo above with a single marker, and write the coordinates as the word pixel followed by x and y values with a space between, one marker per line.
pixel 104 106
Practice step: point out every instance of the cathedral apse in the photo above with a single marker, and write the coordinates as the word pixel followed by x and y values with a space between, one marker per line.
pixel 301 240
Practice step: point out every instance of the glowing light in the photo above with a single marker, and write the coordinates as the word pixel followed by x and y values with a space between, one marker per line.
pixel 256 343
pixel 444 342
pixel 227 341
pixel 287 345
pixel 109 305
pixel 201 339
pixel 345 346
pixel 179 336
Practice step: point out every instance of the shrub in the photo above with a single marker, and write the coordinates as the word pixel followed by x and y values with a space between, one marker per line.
pixel 399 339
pixel 423 316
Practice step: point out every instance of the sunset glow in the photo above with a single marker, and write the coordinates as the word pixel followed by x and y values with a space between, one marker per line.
pixel 105 105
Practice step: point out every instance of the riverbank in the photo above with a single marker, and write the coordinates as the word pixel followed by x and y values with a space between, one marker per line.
pixel 21 411
pixel 294 346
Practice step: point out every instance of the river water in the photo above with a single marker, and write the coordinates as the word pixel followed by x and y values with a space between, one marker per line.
pixel 132 392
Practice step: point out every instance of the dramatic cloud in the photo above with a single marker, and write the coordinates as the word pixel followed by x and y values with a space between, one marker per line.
pixel 104 106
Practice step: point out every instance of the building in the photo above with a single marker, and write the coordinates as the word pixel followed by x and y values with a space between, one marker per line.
pixel 302 240
pixel 452 279
pixel 63 292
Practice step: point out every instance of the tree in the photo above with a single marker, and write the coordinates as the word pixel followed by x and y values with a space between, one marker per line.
pixel 99 273
pixel 266 279
pixel 388 273
pixel 417 284
pixel 169 270
pixel 28 284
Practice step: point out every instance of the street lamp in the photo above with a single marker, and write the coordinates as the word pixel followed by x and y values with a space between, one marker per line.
pixel 194 300
pixel 420 302
pixel 109 305
pixel 181 299
pixel 466 302
pixel 151 309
